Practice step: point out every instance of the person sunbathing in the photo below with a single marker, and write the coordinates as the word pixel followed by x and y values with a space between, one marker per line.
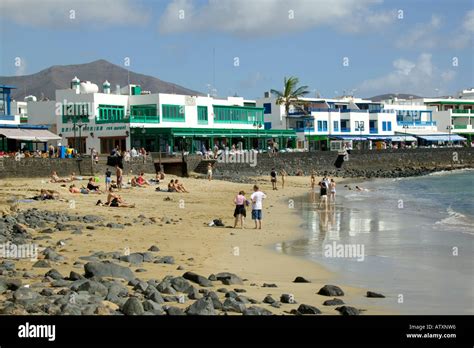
pixel 74 189
pixel 56 178
pixel 75 177
pixel 115 200
pixel 142 181
pixel 46 195
pixel 180 187
pixel 91 187
pixel 172 186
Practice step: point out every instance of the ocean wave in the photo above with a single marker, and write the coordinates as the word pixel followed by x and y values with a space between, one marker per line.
pixel 457 219
pixel 455 171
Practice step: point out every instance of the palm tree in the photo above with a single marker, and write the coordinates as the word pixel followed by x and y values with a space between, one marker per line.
pixel 290 95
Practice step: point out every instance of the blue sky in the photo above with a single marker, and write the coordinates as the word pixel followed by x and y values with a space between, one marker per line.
pixel 422 47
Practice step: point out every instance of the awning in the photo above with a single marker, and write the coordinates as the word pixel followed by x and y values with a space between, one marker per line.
pixel 348 137
pixel 35 135
pixel 452 137
pixel 393 137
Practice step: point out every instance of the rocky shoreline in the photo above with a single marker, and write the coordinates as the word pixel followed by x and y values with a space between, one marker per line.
pixel 397 172
pixel 107 282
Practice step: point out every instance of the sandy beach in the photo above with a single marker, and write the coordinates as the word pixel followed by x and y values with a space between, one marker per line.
pixel 194 245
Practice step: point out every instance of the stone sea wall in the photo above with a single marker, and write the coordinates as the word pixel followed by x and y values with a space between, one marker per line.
pixel 374 163
pixel 42 167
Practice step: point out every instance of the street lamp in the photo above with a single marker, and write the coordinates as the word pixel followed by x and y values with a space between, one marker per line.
pixel 257 125
pixel 405 127
pixel 448 128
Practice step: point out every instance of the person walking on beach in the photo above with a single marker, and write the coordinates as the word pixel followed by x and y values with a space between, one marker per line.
pixel 209 171
pixel 323 193
pixel 273 179
pixel 119 173
pixel 283 176
pixel 257 198
pixel 240 212
pixel 313 181
pixel 332 187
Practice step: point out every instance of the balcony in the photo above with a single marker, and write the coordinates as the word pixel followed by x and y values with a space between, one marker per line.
pixel 7 118
pixel 353 110
pixel 373 130
pixel 460 126
pixel 144 119
pixel 304 129
pixel 416 123
pixel 345 130
pixel 457 111
pixel 378 111
pixel 323 110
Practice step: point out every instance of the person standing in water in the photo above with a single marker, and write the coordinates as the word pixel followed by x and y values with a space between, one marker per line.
pixel 332 187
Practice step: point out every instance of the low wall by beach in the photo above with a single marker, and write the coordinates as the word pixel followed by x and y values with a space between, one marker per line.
pixel 42 167
pixel 369 163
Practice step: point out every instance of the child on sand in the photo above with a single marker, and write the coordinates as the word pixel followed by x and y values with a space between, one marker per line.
pixel 108 179
pixel 209 172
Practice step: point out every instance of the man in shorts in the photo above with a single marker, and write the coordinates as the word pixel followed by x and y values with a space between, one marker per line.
pixel 257 198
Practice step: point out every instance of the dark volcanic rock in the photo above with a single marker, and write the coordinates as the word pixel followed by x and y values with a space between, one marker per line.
pixel 254 310
pixel 330 290
pixel 174 311
pixel 301 280
pixel 93 288
pixel 41 264
pixel 198 279
pixel 180 284
pixel 107 269
pixel 374 294
pixel 267 285
pixel 24 294
pixel 287 298
pixel 133 307
pixel 203 306
pixel 333 302
pixel 153 248
pixel 229 278
pixel 307 309
pixel 53 273
pixel 268 299
pixel 165 259
pixel 347 310
pixel 232 305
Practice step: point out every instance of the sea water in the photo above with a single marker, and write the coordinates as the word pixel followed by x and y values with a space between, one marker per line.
pixel 417 237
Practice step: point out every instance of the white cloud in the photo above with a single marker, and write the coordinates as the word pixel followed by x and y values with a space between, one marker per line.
pixel 427 35
pixel 423 35
pixel 468 23
pixel 59 13
pixel 421 77
pixel 267 17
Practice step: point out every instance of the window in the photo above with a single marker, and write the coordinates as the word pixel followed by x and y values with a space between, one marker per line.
pixel 389 125
pixel 336 126
pixel 144 113
pixel 75 112
pixel 267 108
pixel 384 126
pixel 173 113
pixel 325 126
pixel 237 114
pixel 202 115
pixel 320 126
pixel 359 126
pixel 110 113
